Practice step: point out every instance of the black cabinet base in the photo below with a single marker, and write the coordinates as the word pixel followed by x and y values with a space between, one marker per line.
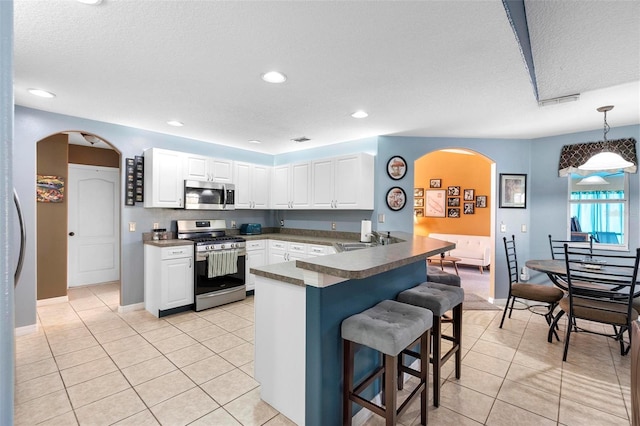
pixel 175 310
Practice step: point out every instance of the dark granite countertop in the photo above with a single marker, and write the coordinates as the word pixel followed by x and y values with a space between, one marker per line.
pixel 358 264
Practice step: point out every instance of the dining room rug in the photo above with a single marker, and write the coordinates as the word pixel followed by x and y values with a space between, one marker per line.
pixel 473 302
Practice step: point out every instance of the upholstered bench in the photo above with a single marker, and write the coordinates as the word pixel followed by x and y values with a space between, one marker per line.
pixel 389 327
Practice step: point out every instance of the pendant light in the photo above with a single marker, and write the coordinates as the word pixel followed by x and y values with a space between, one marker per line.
pixel 606 160
pixel 593 180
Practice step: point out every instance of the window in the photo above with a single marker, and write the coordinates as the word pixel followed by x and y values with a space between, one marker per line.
pixel 600 210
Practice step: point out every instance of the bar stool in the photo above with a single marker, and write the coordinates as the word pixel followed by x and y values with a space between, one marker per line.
pixel 435 275
pixel 388 327
pixel 438 298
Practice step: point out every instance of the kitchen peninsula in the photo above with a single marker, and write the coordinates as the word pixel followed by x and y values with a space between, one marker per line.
pixel 299 307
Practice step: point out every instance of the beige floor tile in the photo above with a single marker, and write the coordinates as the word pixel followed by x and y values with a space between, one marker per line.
pixel 87 371
pixel 466 402
pixel 37 387
pixel 229 386
pixel 80 357
pixel 480 381
pixel 205 370
pixel 66 346
pixel 41 409
pixel 182 316
pixel 95 389
pixel 135 356
pixel 486 363
pixel 114 334
pixel 207 333
pixel 240 355
pixel 110 409
pixel 573 413
pixel 66 419
pixel 35 369
pixel 147 370
pixel 162 333
pixel 127 343
pixel 250 410
pixel 443 416
pixel 184 408
pixel 175 343
pixel 247 333
pixel 143 418
pixel 548 380
pixel 192 324
pixel 495 350
pixel 502 337
pixel 69 334
pixel 164 387
pixel 600 393
pixel 503 414
pixel 190 354
pixel 101 327
pixel 219 417
pixel 280 420
pixel 538 401
pixel 224 342
pixel 148 324
pixel 248 368
pixel 234 324
pixel 29 357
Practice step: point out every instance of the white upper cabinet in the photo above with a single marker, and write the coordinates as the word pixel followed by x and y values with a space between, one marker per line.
pixel 163 178
pixel 344 182
pixel 291 187
pixel 252 185
pixel 199 167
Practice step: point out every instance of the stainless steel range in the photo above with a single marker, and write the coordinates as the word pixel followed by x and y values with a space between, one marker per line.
pixel 219 275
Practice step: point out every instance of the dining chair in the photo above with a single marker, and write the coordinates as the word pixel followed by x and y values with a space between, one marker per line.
pixel 557 246
pixel 609 298
pixel 543 295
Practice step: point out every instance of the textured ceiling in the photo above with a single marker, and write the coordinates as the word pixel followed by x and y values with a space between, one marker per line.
pixel 421 68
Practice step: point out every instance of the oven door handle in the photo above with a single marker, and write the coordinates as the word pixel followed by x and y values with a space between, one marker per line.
pixel 224 190
pixel 219 293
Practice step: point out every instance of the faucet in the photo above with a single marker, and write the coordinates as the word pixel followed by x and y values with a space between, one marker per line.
pixel 379 238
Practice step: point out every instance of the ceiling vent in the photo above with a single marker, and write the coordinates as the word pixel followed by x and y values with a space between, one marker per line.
pixel 559 100
pixel 301 139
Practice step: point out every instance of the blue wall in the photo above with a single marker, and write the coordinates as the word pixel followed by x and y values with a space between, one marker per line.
pixel 546 206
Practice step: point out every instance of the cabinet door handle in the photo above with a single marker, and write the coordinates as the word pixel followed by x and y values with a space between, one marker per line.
pixel 190 260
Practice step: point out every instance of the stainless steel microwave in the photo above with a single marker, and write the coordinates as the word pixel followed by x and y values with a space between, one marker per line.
pixel 202 195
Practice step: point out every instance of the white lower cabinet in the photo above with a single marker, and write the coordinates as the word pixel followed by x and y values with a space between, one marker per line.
pixel 168 278
pixel 256 256
pixel 285 251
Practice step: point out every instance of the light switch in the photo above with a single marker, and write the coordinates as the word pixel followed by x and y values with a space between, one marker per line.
pixel 523 228
pixel 132 227
pixel 503 227
pixel 381 218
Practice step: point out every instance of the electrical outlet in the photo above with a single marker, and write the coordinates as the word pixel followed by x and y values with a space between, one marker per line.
pixel 333 226
pixel 132 227
pixel 503 227
pixel 156 225
pixel 233 224
pixel 281 222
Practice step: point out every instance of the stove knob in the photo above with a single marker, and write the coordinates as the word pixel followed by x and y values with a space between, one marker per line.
pixel 210 248
pixel 222 246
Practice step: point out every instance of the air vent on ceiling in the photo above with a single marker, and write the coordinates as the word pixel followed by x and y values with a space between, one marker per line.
pixel 559 100
pixel 301 139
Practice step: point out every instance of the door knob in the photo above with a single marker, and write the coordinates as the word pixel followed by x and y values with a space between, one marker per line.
pixel 71 234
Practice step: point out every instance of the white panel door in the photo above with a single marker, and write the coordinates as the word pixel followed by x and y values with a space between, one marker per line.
pixel 93 225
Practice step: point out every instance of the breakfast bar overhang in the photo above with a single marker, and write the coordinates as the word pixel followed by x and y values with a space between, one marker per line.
pixel 299 307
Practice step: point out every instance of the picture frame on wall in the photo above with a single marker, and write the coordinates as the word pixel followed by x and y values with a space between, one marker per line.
pixel 396 167
pixel 469 194
pixel 418 192
pixel 435 183
pixel 396 198
pixel 434 205
pixel 453 213
pixel 453 202
pixel 453 191
pixel 418 212
pixel 418 202
pixel 481 201
pixel 469 208
pixel 513 190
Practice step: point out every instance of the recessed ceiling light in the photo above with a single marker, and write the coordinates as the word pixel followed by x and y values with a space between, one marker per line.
pixel 41 93
pixel 175 123
pixel 360 114
pixel 300 139
pixel 274 77
pixel 255 141
pixel 91 2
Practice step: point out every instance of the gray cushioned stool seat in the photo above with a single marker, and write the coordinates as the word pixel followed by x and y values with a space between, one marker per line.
pixel 436 275
pixel 388 327
pixel 438 298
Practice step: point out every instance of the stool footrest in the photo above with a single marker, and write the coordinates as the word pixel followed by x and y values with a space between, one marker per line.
pixel 366 382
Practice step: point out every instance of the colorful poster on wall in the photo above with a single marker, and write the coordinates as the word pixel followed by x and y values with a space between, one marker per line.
pixel 49 189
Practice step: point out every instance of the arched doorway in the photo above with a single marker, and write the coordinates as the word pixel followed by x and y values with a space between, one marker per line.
pixel 461 182
pixel 86 170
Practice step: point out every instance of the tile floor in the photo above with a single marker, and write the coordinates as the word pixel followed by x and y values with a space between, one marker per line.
pixel 89 365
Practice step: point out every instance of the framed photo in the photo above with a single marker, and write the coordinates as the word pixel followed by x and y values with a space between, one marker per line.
pixel 396 198
pixel 468 208
pixel 418 192
pixel 49 189
pixel 435 203
pixel 469 194
pixel 396 167
pixel 453 202
pixel 453 191
pixel 481 201
pixel 455 213
pixel 418 202
pixel 435 183
pixel 418 212
pixel 513 190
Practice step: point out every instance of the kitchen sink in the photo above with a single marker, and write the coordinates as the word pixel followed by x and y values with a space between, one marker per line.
pixel 340 247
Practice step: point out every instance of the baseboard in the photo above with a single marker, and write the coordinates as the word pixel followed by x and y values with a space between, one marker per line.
pixel 27 329
pixel 130 308
pixel 52 301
